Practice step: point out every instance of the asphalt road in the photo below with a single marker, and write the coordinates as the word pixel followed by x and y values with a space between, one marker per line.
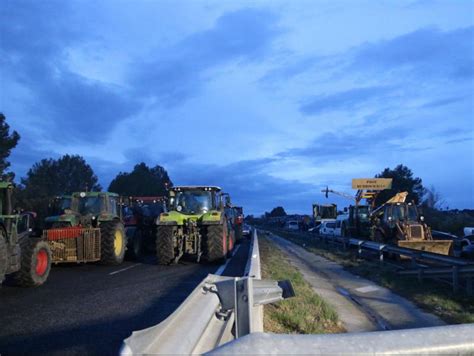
pixel 89 309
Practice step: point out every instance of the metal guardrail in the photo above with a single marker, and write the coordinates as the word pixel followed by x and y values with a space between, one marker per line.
pixel 193 328
pixel 457 267
pixel 200 324
pixel 253 270
pixel 444 340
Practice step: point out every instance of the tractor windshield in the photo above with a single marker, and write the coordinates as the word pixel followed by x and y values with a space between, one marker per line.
pixel 398 212
pixel 193 201
pixel 65 203
pixel 412 214
pixel 363 213
pixel 89 205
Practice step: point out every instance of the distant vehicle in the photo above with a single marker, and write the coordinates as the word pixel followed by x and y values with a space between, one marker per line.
pixel 246 230
pixel 322 212
pixel 464 246
pixel 341 225
pixel 468 231
pixel 139 216
pixel 327 227
pixel 292 225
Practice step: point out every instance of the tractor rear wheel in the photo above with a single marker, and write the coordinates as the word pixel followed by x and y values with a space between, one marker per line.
pixel 35 263
pixel 165 251
pixel 231 241
pixel 215 243
pixel 137 245
pixel 112 242
pixel 238 233
pixel 3 254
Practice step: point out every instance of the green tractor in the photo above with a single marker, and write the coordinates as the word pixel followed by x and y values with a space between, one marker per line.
pixel 196 224
pixel 23 258
pixel 89 229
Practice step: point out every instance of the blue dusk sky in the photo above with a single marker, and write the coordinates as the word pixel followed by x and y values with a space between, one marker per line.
pixel 272 100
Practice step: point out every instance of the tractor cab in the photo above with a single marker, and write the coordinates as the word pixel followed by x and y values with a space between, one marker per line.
pixel 7 219
pixel 195 200
pixel 399 212
pixel 359 220
pixel 87 209
pixel 25 258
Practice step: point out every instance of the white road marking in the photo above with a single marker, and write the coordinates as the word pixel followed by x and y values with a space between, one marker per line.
pixel 223 267
pixel 124 269
pixel 367 289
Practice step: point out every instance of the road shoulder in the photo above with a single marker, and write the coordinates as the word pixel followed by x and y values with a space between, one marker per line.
pixel 362 305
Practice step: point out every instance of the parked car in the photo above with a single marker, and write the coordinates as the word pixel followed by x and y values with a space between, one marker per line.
pixel 292 225
pixel 464 246
pixel 327 227
pixel 246 230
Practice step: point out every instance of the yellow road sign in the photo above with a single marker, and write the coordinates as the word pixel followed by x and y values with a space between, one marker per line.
pixel 372 183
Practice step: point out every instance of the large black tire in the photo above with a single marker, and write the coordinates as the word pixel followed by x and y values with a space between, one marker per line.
pixel 3 254
pixel 138 247
pixel 215 243
pixel 135 246
pixel 35 263
pixel 231 240
pixel 238 233
pixel 165 251
pixel 113 243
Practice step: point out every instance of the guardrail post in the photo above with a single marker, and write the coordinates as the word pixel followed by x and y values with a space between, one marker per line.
pixel 455 279
pixel 420 275
pixel 243 305
pixel 344 244
pixel 469 286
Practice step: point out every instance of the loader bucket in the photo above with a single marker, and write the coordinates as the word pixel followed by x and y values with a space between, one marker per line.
pixel 74 244
pixel 442 247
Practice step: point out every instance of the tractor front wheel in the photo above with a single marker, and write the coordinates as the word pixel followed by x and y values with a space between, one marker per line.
pixel 215 243
pixel 3 254
pixel 35 263
pixel 112 242
pixel 165 251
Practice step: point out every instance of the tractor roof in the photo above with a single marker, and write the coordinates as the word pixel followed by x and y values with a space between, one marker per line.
pixel 5 185
pixel 93 194
pixel 196 187
pixel 147 199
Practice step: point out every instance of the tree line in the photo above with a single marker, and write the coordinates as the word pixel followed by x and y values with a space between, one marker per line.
pixel 71 173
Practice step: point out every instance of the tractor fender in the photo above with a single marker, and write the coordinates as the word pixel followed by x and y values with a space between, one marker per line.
pixel 213 218
pixel 166 223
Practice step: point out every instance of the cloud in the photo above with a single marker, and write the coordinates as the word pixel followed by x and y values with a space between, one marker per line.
pixel 69 107
pixel 429 51
pixel 344 100
pixel 248 185
pixel 443 102
pixel 174 74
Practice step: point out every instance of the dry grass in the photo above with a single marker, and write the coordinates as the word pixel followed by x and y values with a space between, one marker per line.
pixel 306 313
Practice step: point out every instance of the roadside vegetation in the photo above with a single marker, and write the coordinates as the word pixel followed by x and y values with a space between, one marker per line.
pixel 306 313
pixel 432 296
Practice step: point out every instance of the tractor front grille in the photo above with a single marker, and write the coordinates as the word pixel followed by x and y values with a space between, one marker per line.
pixel 74 244
pixel 416 232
